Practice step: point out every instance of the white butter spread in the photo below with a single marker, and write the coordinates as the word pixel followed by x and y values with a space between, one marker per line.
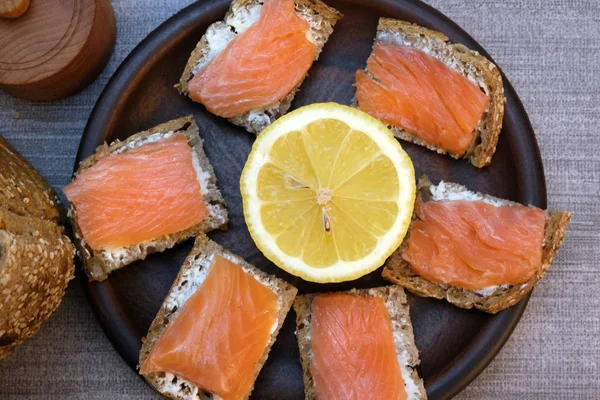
pixel 220 34
pixel 411 387
pixel 203 176
pixel 402 341
pixel 490 290
pixel 262 116
pixel 155 137
pixel 243 17
pixel 443 192
pixel 115 254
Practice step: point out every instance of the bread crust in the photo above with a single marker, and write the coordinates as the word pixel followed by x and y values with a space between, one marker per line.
pixel 204 248
pixel 36 264
pixel 36 258
pixel 23 190
pixel 398 271
pixel 99 263
pixel 468 63
pixel 397 305
pixel 256 120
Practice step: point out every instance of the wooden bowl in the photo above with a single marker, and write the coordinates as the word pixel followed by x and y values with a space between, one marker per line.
pixel 56 48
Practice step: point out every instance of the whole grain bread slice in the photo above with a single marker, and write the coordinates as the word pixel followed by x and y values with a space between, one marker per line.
pixel 321 18
pixel 190 278
pixel 99 263
pixel 36 264
pixel 468 63
pixel 492 300
pixel 397 304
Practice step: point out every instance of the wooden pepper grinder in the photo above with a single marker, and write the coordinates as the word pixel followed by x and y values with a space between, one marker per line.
pixel 50 49
pixel 13 8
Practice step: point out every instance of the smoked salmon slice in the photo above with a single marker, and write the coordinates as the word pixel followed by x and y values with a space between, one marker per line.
pixel 258 67
pixel 415 91
pixel 354 355
pixel 475 245
pixel 141 194
pixel 220 334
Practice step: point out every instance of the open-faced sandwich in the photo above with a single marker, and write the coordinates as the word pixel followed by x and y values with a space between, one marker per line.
pixel 143 195
pixel 214 331
pixel 358 345
pixel 431 92
pixel 475 250
pixel 248 67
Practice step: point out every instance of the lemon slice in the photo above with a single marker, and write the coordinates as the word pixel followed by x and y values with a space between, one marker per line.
pixel 328 193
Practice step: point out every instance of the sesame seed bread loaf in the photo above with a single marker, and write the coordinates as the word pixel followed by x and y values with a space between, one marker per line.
pixel 493 299
pixel 36 258
pixel 468 63
pixel 36 264
pixel 241 14
pixel 397 304
pixel 99 263
pixel 189 279
pixel 22 189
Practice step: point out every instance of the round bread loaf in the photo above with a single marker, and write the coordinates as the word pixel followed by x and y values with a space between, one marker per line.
pixel 36 258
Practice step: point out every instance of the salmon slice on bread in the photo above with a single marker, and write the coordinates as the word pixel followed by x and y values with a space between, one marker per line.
pixel 205 341
pixel 328 349
pixel 120 191
pixel 246 70
pixel 493 298
pixel 433 93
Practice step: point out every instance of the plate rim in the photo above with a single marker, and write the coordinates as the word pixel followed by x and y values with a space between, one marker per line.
pixel 113 321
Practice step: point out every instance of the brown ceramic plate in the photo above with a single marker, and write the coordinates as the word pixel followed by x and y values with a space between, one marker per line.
pixel 455 344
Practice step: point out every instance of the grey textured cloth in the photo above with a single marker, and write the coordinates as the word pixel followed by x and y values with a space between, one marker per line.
pixel 550 50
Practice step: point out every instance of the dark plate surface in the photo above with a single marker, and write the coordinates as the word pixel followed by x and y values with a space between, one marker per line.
pixel 455 344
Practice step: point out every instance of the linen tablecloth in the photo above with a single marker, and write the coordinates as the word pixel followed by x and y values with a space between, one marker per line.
pixel 550 51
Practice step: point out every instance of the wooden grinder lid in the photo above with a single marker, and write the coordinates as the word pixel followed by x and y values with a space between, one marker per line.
pixel 55 48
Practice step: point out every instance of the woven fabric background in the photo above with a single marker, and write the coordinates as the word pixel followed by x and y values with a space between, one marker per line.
pixel 550 50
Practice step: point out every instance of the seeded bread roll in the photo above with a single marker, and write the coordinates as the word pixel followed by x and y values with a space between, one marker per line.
pixel 468 63
pixel 36 259
pixel 189 279
pixel 491 300
pixel 408 355
pixel 36 264
pixel 321 18
pixel 99 263
pixel 22 189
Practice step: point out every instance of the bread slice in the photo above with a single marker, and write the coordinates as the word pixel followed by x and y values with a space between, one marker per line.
pixel 22 189
pixel 468 63
pixel 36 264
pixel 190 278
pixel 492 299
pixel 241 14
pixel 406 351
pixel 99 263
